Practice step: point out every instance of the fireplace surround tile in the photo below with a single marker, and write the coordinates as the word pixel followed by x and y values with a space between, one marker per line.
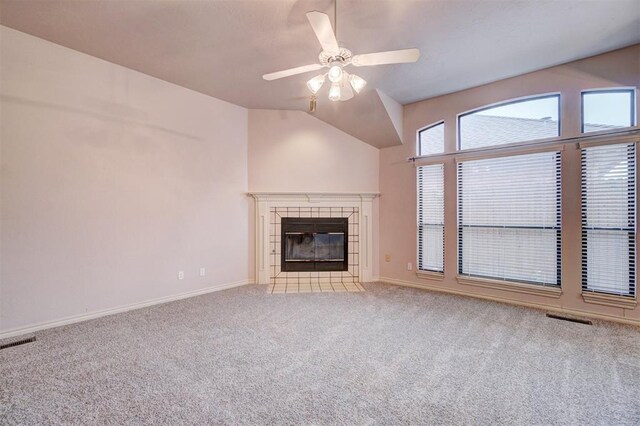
pixel 272 207
pixel 338 277
pixel 335 277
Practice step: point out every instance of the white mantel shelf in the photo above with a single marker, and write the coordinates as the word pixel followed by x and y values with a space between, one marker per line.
pixel 265 201
pixel 319 196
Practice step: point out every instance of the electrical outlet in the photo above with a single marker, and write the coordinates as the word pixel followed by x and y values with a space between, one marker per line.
pixel 202 272
pixel 387 258
pixel 181 275
pixel 409 266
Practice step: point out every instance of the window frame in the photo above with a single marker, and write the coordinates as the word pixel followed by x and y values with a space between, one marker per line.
pixel 424 129
pixel 419 270
pixel 558 228
pixel 631 90
pixel 632 234
pixel 459 116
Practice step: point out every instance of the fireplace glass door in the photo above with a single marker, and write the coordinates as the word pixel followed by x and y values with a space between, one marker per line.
pixel 314 244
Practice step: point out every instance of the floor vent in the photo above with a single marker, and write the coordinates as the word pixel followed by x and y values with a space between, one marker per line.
pixel 563 318
pixel 18 343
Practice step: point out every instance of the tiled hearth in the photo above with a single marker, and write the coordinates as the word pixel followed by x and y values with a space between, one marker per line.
pixel 315 288
pixel 272 207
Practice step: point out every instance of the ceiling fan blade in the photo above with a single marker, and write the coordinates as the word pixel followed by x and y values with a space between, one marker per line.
pixel 291 71
pixel 390 57
pixel 321 25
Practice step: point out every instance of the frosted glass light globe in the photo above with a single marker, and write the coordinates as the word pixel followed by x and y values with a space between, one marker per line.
pixel 315 83
pixel 334 92
pixel 335 74
pixel 357 83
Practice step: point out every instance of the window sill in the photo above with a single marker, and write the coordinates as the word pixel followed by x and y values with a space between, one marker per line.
pixel 430 275
pixel 625 302
pixel 553 292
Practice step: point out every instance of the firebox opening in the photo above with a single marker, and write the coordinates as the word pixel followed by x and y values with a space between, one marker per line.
pixel 314 244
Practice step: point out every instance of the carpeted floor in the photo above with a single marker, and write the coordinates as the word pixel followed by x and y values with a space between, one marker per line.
pixel 389 355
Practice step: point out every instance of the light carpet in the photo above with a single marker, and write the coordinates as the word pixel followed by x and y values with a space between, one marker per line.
pixel 389 355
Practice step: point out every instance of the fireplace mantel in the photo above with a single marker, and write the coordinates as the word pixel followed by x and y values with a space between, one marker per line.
pixel 314 197
pixel 266 201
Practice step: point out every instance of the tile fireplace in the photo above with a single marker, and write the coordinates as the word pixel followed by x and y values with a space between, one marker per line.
pixel 314 239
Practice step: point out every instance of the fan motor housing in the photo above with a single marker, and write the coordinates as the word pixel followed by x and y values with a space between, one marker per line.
pixel 343 57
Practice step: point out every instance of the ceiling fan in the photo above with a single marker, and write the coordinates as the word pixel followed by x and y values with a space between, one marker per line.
pixel 336 58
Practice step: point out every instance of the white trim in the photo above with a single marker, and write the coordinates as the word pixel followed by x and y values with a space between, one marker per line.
pixel 130 307
pixel 314 197
pixel 575 312
pixel 265 201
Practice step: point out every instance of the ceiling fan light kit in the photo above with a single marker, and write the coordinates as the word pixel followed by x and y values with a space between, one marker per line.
pixel 315 84
pixel 336 58
pixel 335 73
pixel 357 83
pixel 334 92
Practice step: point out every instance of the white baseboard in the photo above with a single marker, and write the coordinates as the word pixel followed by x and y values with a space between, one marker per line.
pixel 539 306
pixel 105 312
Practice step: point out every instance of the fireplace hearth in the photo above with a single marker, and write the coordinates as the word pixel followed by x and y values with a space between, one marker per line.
pixel 314 244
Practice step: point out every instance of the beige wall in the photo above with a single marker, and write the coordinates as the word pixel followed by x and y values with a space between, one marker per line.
pixel 112 181
pixel 398 185
pixel 292 151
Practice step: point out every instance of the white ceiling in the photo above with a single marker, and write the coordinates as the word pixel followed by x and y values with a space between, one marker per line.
pixel 222 47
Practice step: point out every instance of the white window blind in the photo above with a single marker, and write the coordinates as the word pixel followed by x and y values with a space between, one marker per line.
pixel 431 217
pixel 609 219
pixel 509 218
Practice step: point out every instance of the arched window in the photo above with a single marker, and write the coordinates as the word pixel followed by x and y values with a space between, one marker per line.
pixel 431 139
pixel 510 122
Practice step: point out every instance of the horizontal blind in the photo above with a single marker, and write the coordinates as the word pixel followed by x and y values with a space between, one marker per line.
pixel 431 217
pixel 609 219
pixel 509 218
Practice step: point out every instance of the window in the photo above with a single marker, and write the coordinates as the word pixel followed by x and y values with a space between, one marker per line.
pixel 607 109
pixel 608 219
pixel 431 218
pixel 509 218
pixel 431 139
pixel 517 121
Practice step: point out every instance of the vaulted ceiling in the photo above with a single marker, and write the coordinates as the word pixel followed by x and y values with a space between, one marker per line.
pixel 222 47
